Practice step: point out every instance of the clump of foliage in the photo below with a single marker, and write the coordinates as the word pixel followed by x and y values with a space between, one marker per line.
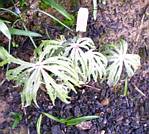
pixel 50 69
pixel 60 66
pixel 88 62
pixel 8 32
pixel 118 58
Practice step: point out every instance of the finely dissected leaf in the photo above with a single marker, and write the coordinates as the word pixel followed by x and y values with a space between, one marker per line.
pixel 4 29
pixel 53 89
pixel 5 56
pixel 88 63
pixel 38 125
pixel 75 50
pixel 56 73
pixel 31 87
pixel 96 63
pixel 71 121
pixel 118 58
pixel 58 7
pixel 20 32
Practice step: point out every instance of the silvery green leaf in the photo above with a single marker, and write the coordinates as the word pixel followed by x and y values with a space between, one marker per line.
pixel 4 29
pixel 88 63
pixel 45 69
pixel 96 65
pixel 118 58
pixel 38 125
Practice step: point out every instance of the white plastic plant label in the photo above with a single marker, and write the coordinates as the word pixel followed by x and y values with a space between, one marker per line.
pixel 82 19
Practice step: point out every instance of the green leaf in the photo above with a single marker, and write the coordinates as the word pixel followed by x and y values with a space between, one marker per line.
pixel 22 2
pixel 54 18
pixel 58 7
pixel 54 118
pixel 88 63
pixel 78 120
pixel 38 125
pixel 126 87
pixel 4 62
pixel 117 58
pixel 4 29
pixel 56 73
pixel 20 32
pixel 4 55
pixel 17 117
pixel 71 121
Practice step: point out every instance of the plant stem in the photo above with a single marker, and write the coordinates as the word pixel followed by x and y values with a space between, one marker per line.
pixel 126 87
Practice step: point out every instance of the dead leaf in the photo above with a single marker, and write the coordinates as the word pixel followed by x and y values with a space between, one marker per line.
pixel 105 102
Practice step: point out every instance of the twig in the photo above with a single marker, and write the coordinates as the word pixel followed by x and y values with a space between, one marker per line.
pixel 94 88
pixel 2 82
pixel 136 88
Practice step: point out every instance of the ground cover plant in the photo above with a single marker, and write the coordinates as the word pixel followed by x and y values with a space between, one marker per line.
pixel 60 72
pixel 32 75
pixel 66 79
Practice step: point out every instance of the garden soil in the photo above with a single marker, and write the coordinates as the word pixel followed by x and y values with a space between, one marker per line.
pixel 118 114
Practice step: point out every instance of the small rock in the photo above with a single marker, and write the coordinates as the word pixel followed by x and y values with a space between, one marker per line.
pixel 77 111
pixel 56 130
pixel 84 125
pixel 102 132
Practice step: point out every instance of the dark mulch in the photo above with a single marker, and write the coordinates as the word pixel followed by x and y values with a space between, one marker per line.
pixel 119 114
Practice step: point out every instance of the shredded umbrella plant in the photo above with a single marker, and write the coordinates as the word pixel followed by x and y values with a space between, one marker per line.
pixel 45 69
pixel 118 59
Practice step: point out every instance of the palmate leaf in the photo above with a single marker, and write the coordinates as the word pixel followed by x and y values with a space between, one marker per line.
pixel 75 50
pixel 88 63
pixel 118 58
pixel 96 63
pixel 46 69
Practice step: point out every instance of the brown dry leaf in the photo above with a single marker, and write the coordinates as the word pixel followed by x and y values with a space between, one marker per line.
pixel 105 102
